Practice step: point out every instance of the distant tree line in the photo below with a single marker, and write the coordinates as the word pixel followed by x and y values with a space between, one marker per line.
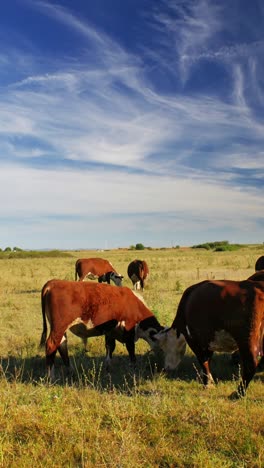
pixel 16 252
pixel 218 246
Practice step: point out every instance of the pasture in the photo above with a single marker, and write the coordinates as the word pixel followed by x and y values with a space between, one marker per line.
pixel 125 419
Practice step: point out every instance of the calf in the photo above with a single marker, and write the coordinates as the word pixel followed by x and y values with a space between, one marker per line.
pixel 138 272
pixel 97 268
pixel 218 316
pixel 92 309
pixel 259 263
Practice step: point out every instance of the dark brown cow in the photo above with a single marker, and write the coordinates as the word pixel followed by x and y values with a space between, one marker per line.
pixel 138 272
pixel 259 263
pixel 218 316
pixel 97 268
pixel 258 276
pixel 92 309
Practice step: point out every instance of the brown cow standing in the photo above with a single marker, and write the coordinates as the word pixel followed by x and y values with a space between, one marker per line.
pixel 97 268
pixel 259 263
pixel 138 272
pixel 92 309
pixel 219 316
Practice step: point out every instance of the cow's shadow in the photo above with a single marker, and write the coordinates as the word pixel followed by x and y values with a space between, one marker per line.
pixel 90 372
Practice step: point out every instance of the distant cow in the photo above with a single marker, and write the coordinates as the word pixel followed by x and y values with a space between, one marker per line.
pixel 92 309
pixel 259 263
pixel 97 268
pixel 218 316
pixel 138 272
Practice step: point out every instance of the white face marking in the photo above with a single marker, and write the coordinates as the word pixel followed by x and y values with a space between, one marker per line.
pixel 173 347
pixel 116 278
pixel 146 335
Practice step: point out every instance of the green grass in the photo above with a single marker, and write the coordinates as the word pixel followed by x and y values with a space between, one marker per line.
pixel 126 419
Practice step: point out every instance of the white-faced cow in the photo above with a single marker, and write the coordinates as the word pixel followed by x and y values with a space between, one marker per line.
pixel 259 263
pixel 138 272
pixel 92 309
pixel 218 316
pixel 97 268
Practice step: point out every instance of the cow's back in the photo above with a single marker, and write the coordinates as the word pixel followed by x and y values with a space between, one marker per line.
pixel 259 263
pixel 95 302
pixel 215 305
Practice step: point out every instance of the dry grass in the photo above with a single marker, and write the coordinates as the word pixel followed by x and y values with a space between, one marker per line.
pixel 141 419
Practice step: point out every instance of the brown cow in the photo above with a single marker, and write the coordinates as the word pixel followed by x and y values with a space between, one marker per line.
pixel 138 272
pixel 92 309
pixel 259 263
pixel 97 268
pixel 218 316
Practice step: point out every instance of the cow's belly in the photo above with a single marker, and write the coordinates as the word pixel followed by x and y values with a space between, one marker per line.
pixel 87 330
pixel 81 329
pixel 223 342
pixel 91 276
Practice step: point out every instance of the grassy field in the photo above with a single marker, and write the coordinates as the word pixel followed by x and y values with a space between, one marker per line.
pixel 126 419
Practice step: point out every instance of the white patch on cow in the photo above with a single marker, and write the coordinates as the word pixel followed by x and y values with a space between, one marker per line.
pixel 188 331
pixel 91 276
pixel 173 347
pixel 63 339
pixel 146 335
pixel 82 329
pixel 116 278
pixel 223 342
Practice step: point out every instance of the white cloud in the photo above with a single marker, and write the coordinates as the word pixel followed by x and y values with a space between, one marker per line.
pixel 108 111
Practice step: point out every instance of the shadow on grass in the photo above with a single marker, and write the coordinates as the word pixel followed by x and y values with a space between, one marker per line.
pixel 90 372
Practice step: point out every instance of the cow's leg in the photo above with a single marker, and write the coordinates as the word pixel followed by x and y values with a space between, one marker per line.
pixel 63 350
pixel 142 284
pixel 50 358
pixel 53 343
pixel 110 347
pixel 85 344
pixel 130 345
pixel 249 364
pixel 204 357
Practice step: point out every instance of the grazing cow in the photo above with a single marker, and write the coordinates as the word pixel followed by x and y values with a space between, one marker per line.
pixel 92 309
pixel 259 263
pixel 94 268
pixel 138 272
pixel 218 316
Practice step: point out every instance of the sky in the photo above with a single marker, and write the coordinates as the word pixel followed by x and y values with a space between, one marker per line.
pixel 131 121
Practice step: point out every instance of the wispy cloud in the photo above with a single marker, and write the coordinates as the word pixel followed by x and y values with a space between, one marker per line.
pixel 93 135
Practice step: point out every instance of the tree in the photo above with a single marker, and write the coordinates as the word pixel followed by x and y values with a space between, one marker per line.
pixel 140 247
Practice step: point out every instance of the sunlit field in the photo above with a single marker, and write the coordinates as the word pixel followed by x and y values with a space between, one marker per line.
pixel 127 418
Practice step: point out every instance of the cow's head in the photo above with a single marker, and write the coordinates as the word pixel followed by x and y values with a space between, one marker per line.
pixel 147 329
pixel 116 278
pixel 174 347
pixel 113 276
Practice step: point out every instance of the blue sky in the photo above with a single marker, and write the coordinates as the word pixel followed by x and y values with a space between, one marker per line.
pixel 127 121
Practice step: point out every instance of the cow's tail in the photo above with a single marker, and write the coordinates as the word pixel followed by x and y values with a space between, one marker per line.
pixel 44 293
pixel 179 322
pixel 76 268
